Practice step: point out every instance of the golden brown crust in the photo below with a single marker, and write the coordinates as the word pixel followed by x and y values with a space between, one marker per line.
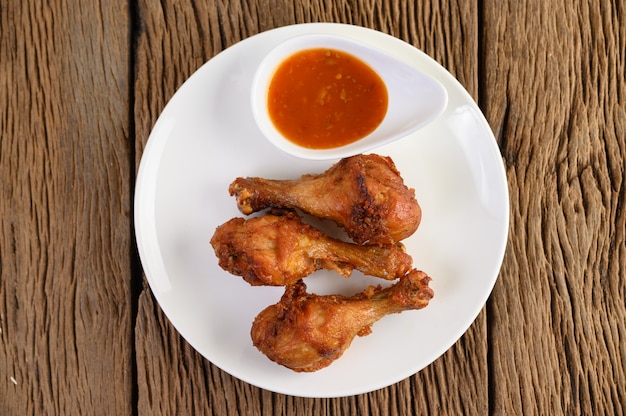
pixel 364 194
pixel 306 332
pixel 278 250
pixel 367 197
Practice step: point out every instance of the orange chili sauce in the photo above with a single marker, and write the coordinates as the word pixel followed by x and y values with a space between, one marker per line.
pixel 325 98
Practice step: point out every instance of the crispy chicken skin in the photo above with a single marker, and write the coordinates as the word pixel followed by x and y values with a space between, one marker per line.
pixel 364 194
pixel 306 332
pixel 278 250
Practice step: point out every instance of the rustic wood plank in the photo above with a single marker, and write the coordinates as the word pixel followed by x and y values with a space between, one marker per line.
pixel 175 39
pixel 65 247
pixel 554 92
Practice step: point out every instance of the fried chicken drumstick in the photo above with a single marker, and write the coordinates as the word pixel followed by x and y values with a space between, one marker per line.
pixel 307 332
pixel 364 194
pixel 278 250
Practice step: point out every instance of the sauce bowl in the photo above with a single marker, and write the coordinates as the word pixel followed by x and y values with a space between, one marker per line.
pixel 414 98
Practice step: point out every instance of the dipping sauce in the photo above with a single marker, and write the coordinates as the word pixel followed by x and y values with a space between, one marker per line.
pixel 325 98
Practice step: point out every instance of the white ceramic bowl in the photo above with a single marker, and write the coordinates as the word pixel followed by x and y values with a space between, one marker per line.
pixel 414 98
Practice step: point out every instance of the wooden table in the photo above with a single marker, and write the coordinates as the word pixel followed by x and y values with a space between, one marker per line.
pixel 81 85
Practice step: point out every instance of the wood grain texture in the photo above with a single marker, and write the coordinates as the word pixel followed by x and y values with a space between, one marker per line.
pixel 65 249
pixel 554 93
pixel 173 43
pixel 81 85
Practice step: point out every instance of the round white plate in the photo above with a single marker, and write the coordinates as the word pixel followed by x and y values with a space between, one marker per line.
pixel 206 137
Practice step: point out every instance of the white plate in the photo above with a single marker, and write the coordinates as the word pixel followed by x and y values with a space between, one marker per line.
pixel 206 137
